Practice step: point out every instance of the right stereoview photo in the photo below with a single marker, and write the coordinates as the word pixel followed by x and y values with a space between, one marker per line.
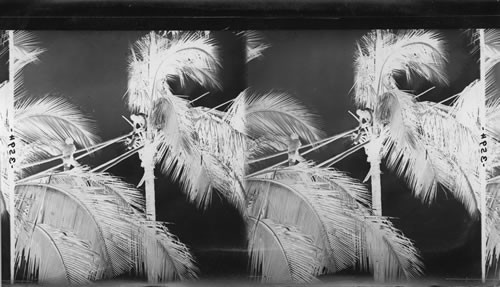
pixel 401 172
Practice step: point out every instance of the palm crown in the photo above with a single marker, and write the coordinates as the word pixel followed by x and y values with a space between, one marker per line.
pixel 429 144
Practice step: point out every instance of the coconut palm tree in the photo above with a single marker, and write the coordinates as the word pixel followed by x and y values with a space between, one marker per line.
pixel 253 125
pixel 78 226
pixel 429 144
pixel 302 221
pixel 97 213
pixel 156 61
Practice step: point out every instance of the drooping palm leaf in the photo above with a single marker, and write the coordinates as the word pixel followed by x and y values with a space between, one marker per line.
pixel 467 105
pixel 99 209
pixel 281 253
pixel 42 126
pixel 173 127
pixel 55 118
pixel 162 255
pixel 383 55
pixel 219 153
pixel 56 256
pixel 430 144
pixel 331 209
pixel 273 116
pixel 389 253
pixel 156 59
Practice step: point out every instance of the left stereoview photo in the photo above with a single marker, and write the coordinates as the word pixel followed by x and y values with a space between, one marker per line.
pixel 101 120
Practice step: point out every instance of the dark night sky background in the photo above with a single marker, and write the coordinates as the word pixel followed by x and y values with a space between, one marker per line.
pixel 90 69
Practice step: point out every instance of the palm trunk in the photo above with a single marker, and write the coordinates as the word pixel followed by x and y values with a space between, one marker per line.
pixel 372 150
pixel 148 164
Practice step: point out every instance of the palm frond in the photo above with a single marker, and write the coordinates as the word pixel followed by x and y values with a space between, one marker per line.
pixel 56 256
pixel 389 253
pixel 126 195
pixel 281 253
pixel 170 117
pixel 451 139
pixel 465 108
pixel 92 216
pixel 383 55
pixel 219 153
pixel 50 120
pixel 106 213
pixel 156 60
pixel 254 44
pixel 492 224
pixel 403 146
pixel 25 50
pixel 492 58
pixel 430 144
pixel 163 256
pixel 273 115
pixel 314 201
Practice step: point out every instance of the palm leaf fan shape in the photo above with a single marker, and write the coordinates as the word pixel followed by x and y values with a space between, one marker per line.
pixel 281 253
pixel 271 117
pixel 42 126
pixel 219 153
pixel 101 216
pixel 156 60
pixel 333 210
pixel 383 55
pixel 430 144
